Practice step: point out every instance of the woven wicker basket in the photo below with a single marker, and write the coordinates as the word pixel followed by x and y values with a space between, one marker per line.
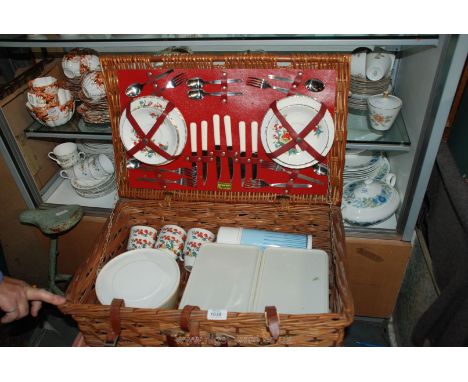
pixel 318 215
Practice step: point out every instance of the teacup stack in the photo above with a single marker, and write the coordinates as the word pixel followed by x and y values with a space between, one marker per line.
pixel 370 75
pixel 47 103
pixel 92 177
pixel 94 108
pixel 75 64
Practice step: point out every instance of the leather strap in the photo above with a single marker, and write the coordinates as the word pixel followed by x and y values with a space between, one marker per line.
pixel 114 322
pixel 295 84
pixel 298 138
pixel 187 325
pixel 146 138
pixel 272 321
pixel 224 87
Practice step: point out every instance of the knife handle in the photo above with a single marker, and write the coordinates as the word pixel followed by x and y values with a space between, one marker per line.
pixel 204 135
pixel 217 134
pixel 227 130
pixel 254 132
pixel 242 136
pixel 193 137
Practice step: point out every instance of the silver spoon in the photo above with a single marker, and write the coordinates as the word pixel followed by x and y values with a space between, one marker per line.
pixel 197 82
pixel 315 85
pixel 200 94
pixel 134 90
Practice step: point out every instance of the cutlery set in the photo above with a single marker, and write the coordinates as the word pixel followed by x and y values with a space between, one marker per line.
pixel 224 157
pixel 213 159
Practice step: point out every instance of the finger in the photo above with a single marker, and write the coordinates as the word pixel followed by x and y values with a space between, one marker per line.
pixel 23 308
pixel 10 317
pixel 35 307
pixel 43 295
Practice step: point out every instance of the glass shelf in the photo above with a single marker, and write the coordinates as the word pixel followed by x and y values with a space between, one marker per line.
pixel 217 42
pixel 361 135
pixel 76 128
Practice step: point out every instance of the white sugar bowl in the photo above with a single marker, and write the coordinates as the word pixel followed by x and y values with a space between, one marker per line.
pixel 368 202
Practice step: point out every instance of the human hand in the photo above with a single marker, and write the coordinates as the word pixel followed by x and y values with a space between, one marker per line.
pixel 15 296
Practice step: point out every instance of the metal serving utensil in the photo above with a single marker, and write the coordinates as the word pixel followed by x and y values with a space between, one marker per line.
pixel 200 94
pixel 198 83
pixel 315 85
pixel 134 90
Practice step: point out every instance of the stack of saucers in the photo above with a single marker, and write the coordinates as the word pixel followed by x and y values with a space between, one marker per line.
pixel 365 165
pixel 361 89
pixel 95 188
pixel 97 148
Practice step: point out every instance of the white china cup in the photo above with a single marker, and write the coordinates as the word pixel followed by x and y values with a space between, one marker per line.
pixel 383 110
pixel 48 85
pixel 71 66
pixel 171 238
pixel 141 237
pixel 196 237
pixel 92 85
pixel 100 166
pixel 66 155
pixel 64 96
pixel 40 99
pixel 378 65
pixel 358 65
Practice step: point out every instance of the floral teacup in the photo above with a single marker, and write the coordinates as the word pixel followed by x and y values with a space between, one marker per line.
pixel 195 239
pixel 141 237
pixel 172 238
pixel 383 110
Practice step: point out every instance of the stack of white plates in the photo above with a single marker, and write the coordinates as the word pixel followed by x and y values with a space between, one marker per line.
pixel 365 165
pixel 97 148
pixel 362 89
pixel 94 188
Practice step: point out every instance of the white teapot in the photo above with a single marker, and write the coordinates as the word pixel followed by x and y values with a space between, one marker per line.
pixel 370 201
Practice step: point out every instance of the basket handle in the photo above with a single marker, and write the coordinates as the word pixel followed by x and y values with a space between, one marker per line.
pixel 272 321
pixel 114 322
pixel 191 326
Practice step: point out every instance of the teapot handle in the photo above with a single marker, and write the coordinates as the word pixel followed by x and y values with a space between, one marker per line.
pixel 390 179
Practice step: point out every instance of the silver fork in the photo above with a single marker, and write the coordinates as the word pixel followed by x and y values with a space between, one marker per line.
pixel 181 182
pixel 133 163
pixel 174 82
pixel 260 183
pixel 277 167
pixel 264 84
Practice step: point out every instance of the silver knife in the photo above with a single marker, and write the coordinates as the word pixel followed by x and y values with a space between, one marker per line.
pixel 204 138
pixel 294 185
pixel 217 142
pixel 193 149
pixel 273 77
pixel 254 134
pixel 228 133
pixel 242 148
pixel 161 75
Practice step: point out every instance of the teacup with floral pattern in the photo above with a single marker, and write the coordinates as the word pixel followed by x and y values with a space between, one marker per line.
pixel 195 239
pixel 141 237
pixel 172 238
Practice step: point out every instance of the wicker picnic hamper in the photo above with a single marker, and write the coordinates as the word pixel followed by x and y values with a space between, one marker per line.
pixel 318 215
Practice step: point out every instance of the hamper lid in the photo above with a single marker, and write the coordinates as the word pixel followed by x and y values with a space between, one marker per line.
pixel 251 107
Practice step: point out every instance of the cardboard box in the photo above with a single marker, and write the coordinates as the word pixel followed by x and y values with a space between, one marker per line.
pixel 375 271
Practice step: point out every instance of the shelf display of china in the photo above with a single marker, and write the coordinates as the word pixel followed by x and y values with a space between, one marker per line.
pixel 370 201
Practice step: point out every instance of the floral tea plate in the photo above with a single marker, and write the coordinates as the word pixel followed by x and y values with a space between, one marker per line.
pixel 170 137
pixel 298 110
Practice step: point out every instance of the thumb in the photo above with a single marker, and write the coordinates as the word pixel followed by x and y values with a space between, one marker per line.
pixel 42 295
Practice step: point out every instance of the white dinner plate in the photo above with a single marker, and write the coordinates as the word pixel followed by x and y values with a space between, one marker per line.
pixel 298 110
pixel 143 278
pixel 170 137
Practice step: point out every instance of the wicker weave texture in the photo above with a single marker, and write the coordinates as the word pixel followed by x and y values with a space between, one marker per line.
pixel 153 327
pixel 338 62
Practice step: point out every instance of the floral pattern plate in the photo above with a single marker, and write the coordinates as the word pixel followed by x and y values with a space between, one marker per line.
pixel 170 137
pixel 298 110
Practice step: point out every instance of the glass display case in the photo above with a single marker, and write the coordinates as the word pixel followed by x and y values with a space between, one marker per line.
pixel 425 75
